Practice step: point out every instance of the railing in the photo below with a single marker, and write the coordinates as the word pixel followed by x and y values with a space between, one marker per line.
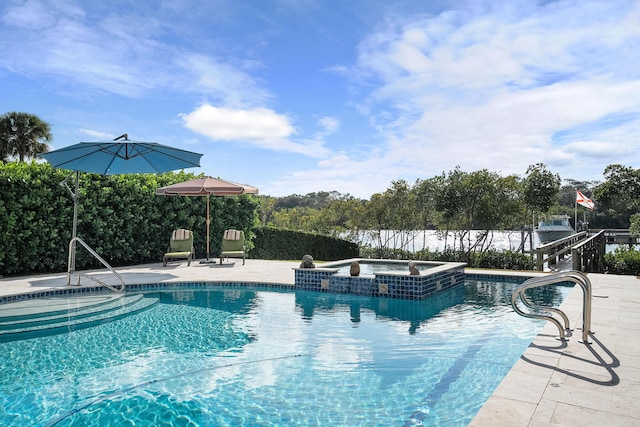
pixel 555 251
pixel 72 267
pixel 618 236
pixel 588 254
pixel 555 279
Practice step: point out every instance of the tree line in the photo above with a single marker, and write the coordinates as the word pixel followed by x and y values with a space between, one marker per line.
pixel 457 202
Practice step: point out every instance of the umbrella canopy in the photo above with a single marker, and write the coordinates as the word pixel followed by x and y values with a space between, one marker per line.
pixel 206 186
pixel 118 157
pixel 115 157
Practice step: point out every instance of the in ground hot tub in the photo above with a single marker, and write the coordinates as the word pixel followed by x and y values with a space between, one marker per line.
pixel 382 278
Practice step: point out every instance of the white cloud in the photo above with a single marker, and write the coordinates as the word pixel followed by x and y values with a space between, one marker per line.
pixel 329 124
pixel 231 84
pixel 233 124
pixel 30 15
pixel 98 135
pixel 261 127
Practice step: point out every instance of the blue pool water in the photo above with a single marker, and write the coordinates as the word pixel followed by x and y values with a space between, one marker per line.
pixel 262 357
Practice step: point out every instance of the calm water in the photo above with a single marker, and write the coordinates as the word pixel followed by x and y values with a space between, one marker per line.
pixel 434 241
pixel 430 239
pixel 246 357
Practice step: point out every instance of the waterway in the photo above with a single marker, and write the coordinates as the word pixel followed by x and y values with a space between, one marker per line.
pixel 438 241
pixel 433 240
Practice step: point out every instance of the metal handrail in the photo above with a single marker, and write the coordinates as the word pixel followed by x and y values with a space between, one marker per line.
pixel 554 279
pixel 72 266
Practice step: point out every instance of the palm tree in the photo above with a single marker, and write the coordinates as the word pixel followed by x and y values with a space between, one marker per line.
pixel 23 135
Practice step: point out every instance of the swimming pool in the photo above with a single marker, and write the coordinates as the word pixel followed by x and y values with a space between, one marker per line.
pixel 260 357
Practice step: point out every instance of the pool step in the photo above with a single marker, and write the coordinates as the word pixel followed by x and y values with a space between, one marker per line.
pixel 52 306
pixel 81 314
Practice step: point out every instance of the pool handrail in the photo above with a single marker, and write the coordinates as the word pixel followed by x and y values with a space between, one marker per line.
pixel 554 279
pixel 72 269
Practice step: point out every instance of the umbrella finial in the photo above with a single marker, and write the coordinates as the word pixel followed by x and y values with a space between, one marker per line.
pixel 124 135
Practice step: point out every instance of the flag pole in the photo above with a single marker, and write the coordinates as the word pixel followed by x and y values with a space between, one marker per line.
pixel 575 212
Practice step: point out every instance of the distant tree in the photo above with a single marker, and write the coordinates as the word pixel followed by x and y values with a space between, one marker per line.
pixel 541 188
pixel 317 200
pixel 266 209
pixel 568 191
pixel 479 200
pixel 617 197
pixel 342 215
pixel 23 135
pixel 426 214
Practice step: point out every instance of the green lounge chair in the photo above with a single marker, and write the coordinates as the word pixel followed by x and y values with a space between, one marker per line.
pixel 232 245
pixel 180 247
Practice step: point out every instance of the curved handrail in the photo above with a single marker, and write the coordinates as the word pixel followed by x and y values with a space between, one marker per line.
pixel 554 279
pixel 99 258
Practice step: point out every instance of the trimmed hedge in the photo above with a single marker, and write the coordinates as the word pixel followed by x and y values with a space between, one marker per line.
pixel 273 243
pixel 119 216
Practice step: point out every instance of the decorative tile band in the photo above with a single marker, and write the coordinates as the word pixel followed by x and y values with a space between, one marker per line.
pixel 68 291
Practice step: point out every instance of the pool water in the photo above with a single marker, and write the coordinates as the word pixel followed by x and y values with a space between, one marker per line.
pixel 257 357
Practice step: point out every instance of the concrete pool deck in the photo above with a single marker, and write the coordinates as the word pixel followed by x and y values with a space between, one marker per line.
pixel 552 384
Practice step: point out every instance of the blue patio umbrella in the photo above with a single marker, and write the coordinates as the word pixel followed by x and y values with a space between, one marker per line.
pixel 120 156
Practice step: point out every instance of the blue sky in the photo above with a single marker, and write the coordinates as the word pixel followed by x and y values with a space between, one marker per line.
pixel 297 96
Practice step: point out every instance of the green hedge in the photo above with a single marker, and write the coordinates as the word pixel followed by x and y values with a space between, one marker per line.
pixel 119 216
pixel 273 243
pixel 625 260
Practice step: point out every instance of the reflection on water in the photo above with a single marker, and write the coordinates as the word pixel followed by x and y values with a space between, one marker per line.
pixel 240 301
pixel 483 294
pixel 414 312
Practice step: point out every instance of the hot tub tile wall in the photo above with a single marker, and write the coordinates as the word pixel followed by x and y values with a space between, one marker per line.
pixel 310 279
pixel 401 286
pixel 421 287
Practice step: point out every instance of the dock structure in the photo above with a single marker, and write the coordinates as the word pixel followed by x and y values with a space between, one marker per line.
pixel 618 236
pixel 583 251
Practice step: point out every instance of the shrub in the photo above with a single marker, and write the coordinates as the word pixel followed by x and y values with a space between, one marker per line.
pixel 275 243
pixel 624 260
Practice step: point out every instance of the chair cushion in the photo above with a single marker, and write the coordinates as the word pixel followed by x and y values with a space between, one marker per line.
pixel 232 235
pixel 177 254
pixel 232 254
pixel 180 234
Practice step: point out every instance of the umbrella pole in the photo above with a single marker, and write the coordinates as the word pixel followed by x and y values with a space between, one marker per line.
pixel 72 256
pixel 71 267
pixel 208 221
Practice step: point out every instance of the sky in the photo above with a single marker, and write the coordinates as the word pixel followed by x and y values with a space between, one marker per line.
pixel 301 96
